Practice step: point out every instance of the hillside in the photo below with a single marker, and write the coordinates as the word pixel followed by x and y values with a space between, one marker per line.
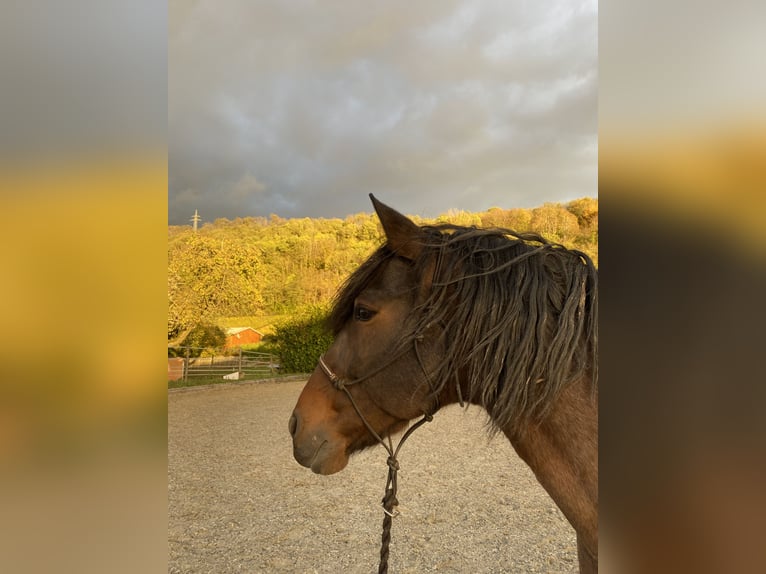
pixel 256 266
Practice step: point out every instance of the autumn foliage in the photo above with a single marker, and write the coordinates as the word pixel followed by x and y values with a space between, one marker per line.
pixel 274 266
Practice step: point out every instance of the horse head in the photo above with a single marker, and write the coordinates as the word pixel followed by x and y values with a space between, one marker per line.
pixel 381 354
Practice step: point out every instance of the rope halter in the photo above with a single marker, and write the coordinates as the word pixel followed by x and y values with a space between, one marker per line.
pixel 389 502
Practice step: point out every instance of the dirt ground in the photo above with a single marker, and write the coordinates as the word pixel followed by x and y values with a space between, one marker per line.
pixel 238 501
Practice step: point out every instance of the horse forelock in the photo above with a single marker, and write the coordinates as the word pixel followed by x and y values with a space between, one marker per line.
pixel 364 275
pixel 519 316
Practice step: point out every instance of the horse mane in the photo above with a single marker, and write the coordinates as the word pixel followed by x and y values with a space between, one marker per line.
pixel 518 313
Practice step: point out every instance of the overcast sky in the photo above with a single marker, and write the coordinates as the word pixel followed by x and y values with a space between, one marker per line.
pixel 302 108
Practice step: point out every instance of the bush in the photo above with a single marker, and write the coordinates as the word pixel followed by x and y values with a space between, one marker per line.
pixel 300 340
pixel 204 336
pixel 267 345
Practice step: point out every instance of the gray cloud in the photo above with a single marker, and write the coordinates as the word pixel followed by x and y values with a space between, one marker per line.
pixel 302 108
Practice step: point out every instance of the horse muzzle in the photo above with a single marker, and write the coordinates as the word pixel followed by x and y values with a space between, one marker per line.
pixel 316 449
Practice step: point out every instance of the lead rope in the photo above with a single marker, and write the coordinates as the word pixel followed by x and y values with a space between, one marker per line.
pixel 389 502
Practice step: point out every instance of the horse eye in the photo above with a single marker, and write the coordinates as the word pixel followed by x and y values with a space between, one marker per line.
pixel 363 314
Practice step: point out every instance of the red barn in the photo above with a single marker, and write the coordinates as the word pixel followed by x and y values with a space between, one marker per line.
pixel 237 336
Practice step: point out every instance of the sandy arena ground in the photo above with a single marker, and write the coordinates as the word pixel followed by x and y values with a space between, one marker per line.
pixel 238 501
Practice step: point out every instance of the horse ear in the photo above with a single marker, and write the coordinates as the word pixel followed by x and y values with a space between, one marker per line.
pixel 401 233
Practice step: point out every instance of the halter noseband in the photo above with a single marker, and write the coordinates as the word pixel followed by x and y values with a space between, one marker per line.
pixel 336 381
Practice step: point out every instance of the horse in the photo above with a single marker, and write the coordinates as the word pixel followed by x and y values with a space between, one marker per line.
pixel 443 314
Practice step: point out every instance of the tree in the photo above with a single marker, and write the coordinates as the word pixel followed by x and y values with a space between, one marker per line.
pixel 586 211
pixel 554 222
pixel 204 336
pixel 209 278
pixel 516 219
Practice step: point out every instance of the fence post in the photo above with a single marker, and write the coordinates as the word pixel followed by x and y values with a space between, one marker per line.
pixel 186 364
pixel 271 364
pixel 239 364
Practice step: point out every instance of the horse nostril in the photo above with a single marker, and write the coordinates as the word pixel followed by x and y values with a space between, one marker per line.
pixel 292 425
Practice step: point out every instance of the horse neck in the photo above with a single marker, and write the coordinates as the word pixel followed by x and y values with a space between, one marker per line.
pixel 562 451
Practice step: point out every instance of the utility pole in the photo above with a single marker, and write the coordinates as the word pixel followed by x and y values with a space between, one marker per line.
pixel 195 219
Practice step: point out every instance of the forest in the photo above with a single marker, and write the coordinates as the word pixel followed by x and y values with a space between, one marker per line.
pixel 229 271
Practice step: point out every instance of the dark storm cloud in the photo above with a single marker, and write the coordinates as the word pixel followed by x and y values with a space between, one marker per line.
pixel 302 108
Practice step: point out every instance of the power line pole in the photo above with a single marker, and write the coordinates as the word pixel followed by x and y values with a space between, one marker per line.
pixel 195 219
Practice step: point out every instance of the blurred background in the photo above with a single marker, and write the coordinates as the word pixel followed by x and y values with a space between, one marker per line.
pixel 83 180
pixel 682 185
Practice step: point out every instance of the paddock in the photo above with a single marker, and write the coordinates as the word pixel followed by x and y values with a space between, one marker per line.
pixel 238 501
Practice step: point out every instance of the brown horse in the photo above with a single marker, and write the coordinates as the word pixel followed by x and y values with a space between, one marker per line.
pixel 447 314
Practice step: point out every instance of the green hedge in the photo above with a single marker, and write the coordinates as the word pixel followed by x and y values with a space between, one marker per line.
pixel 301 339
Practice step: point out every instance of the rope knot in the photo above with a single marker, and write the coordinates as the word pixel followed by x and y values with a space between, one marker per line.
pixel 393 464
pixel 389 503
